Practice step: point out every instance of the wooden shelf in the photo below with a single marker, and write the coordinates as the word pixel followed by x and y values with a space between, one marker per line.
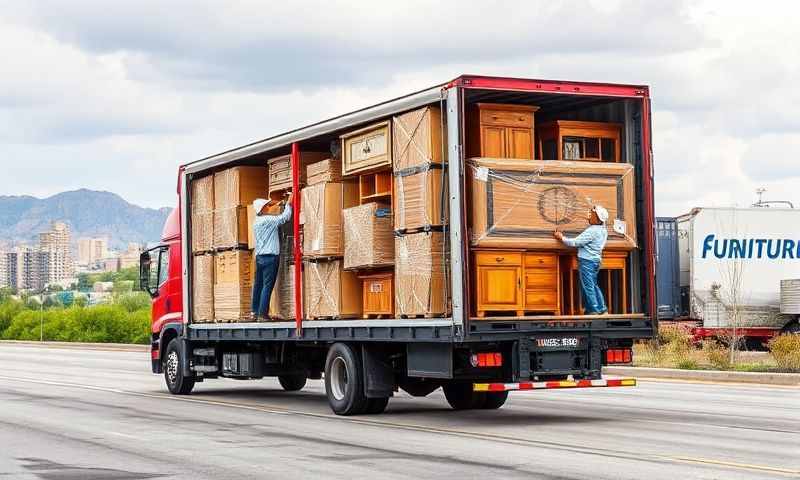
pixel 375 187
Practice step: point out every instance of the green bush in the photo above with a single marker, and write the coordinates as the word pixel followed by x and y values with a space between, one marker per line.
pixel 8 310
pixel 100 323
pixel 786 351
pixel 133 301
pixel 718 356
pixel 687 364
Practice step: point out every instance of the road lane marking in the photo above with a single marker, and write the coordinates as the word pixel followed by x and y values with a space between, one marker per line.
pixel 274 409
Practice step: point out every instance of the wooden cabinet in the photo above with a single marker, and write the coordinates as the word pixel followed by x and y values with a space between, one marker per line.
pixel 377 294
pixel 519 282
pixel 574 140
pixel 367 149
pixel 542 288
pixel 280 169
pixel 500 131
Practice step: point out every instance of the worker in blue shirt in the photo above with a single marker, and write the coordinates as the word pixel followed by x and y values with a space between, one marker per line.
pixel 590 244
pixel 267 252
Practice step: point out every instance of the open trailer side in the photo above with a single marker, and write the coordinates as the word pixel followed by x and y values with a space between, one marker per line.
pixel 475 359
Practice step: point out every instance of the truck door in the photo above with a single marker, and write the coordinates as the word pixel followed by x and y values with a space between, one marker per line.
pixel 153 277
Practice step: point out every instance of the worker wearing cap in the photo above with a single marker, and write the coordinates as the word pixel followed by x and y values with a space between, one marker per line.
pixel 267 251
pixel 590 244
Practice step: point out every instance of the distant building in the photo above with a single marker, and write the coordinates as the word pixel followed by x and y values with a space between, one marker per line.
pixel 91 250
pixel 56 256
pixel 4 280
pixel 130 257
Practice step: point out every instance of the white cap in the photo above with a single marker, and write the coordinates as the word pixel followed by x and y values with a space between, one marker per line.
pixel 258 204
pixel 601 212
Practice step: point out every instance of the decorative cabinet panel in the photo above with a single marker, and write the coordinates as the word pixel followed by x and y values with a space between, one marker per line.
pixel 573 140
pixel 378 295
pixel 367 149
pixel 500 131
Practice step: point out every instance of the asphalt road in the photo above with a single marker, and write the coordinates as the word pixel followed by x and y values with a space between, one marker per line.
pixel 83 414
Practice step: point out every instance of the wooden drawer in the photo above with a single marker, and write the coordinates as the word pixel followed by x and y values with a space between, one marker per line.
pixel 541 299
pixel 541 279
pixel 498 258
pixel 540 260
pixel 507 118
pixel 367 149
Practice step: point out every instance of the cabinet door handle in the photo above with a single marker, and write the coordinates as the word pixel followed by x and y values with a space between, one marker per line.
pixel 500 259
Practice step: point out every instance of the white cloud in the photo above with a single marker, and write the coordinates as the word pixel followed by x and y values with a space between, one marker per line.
pixel 116 95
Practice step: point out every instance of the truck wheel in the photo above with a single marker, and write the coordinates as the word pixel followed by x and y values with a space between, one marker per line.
pixel 495 400
pixel 173 375
pixel 344 381
pixel 292 383
pixel 460 396
pixel 377 405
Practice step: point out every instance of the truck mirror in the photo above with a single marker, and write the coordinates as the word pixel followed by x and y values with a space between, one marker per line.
pixel 145 262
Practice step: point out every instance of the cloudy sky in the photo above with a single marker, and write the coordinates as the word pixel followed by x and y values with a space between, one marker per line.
pixel 115 95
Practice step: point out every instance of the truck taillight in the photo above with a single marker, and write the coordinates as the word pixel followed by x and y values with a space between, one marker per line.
pixel 619 355
pixel 494 359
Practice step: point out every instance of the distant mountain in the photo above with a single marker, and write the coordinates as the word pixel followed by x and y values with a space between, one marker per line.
pixel 89 213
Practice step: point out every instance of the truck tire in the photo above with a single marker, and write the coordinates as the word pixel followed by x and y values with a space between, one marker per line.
pixel 495 400
pixel 173 374
pixel 460 396
pixel 377 405
pixel 292 383
pixel 344 381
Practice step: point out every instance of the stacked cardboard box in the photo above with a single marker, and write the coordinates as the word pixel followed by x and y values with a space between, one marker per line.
pixel 419 199
pixel 203 291
pixel 322 206
pixel 330 291
pixel 420 264
pixel 368 237
pixel 233 285
pixel 328 170
pixel 234 189
pixel 202 214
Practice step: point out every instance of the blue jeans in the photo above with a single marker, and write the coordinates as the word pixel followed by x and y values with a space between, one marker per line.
pixel 266 273
pixel 593 301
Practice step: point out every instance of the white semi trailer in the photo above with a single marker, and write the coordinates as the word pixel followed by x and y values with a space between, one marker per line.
pixel 731 262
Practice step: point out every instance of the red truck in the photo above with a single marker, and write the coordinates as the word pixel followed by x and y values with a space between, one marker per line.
pixel 476 361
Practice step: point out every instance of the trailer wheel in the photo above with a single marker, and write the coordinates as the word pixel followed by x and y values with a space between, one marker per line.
pixel 377 405
pixel 292 383
pixel 460 396
pixel 344 381
pixel 173 375
pixel 495 400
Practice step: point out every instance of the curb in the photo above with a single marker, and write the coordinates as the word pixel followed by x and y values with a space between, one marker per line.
pixel 117 347
pixel 791 379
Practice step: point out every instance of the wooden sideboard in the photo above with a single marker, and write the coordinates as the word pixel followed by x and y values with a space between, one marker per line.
pixel 517 281
pixel 500 131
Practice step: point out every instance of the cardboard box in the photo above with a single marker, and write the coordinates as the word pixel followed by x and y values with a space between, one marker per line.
pixel 203 288
pixel 233 285
pixel 330 291
pixel 322 206
pixel 328 170
pixel 202 214
pixel 202 231
pixel 417 138
pixel 420 280
pixel 239 186
pixel 417 200
pixel 368 237
pixel 519 203
pixel 285 289
pixel 230 227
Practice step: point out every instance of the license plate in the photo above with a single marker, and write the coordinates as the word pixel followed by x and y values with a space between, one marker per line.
pixel 557 342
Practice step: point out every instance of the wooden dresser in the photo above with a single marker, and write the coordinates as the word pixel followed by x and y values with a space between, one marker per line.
pixel 517 281
pixel 367 149
pixel 500 131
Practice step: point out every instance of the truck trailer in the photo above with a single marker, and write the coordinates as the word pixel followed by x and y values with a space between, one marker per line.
pixel 476 348
pixel 721 270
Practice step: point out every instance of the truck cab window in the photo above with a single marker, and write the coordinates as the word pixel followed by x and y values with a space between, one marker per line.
pixel 163 265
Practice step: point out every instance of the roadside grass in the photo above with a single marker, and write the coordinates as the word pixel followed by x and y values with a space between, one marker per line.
pixel 674 349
